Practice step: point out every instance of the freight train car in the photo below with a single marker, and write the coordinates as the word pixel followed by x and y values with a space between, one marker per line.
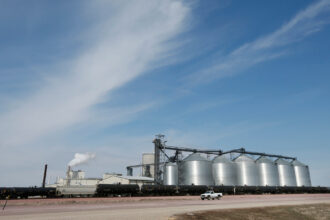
pixel 192 189
pixel 109 190
pixel 106 190
pixel 76 191
pixel 159 190
pixel 26 192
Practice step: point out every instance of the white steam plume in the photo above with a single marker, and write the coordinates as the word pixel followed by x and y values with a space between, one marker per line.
pixel 80 158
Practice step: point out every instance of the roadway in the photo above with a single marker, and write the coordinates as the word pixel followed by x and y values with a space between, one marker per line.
pixel 143 207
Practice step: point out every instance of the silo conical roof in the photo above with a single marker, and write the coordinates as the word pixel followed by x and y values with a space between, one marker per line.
pixel 264 159
pixel 282 162
pixel 221 159
pixel 298 163
pixel 195 157
pixel 243 158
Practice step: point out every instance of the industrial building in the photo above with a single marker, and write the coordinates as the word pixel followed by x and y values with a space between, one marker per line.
pixel 119 179
pixel 76 180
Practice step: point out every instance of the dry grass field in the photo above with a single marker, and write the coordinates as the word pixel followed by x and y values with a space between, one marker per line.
pixel 300 212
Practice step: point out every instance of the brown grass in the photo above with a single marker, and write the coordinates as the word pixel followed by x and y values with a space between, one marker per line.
pixel 300 212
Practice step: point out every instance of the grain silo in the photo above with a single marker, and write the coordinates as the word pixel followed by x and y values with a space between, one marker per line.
pixel 195 170
pixel 224 171
pixel 268 173
pixel 247 171
pixel 286 173
pixel 302 173
pixel 170 174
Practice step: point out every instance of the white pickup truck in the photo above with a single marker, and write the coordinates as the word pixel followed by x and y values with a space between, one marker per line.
pixel 211 195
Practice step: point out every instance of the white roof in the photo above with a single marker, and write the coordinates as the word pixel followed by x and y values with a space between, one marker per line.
pixel 142 178
pixel 138 178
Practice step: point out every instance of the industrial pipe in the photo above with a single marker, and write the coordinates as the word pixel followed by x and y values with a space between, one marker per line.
pixel 220 152
pixel 192 150
pixel 243 151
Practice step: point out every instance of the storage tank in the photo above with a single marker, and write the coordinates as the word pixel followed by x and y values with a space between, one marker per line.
pixel 286 173
pixel 302 173
pixel 77 190
pixel 247 171
pixel 195 170
pixel 268 172
pixel 224 171
pixel 171 174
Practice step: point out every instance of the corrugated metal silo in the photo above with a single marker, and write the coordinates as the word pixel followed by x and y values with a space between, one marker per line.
pixel 286 173
pixel 247 171
pixel 195 170
pixel 224 171
pixel 171 174
pixel 302 173
pixel 268 172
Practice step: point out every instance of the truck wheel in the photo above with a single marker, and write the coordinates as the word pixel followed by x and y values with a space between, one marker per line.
pixel 212 198
pixel 202 198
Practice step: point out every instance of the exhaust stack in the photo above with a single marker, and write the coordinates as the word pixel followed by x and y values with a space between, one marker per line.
pixel 45 175
pixel 68 176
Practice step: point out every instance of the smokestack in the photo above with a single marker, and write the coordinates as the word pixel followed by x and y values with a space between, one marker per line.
pixel 45 174
pixel 68 177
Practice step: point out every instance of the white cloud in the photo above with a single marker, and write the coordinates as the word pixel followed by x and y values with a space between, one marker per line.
pixel 127 40
pixel 267 47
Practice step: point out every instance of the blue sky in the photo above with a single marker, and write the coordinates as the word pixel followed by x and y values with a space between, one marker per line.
pixel 106 76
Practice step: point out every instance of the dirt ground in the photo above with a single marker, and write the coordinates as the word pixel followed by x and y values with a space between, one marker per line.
pixel 301 212
pixel 144 208
pixel 68 201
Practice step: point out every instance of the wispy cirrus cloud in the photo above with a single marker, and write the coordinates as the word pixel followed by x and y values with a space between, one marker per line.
pixel 124 40
pixel 268 47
